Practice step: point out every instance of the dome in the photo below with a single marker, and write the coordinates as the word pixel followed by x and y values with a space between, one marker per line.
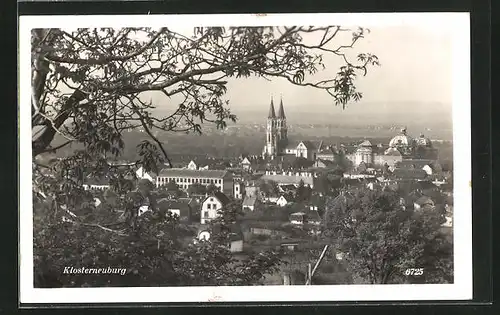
pixel 423 141
pixel 401 140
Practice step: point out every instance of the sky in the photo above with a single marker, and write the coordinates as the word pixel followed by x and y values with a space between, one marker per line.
pixel 416 67
pixel 415 75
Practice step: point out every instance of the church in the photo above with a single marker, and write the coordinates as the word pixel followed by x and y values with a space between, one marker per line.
pixel 277 142
pixel 401 147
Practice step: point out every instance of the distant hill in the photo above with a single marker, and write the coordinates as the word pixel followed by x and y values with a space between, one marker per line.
pixel 359 113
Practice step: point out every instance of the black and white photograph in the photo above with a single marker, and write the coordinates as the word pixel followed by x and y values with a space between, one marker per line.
pixel 245 158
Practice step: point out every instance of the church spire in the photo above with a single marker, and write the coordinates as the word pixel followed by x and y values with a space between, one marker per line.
pixel 281 110
pixel 271 110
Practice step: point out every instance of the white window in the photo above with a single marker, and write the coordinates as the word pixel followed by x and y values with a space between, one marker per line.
pixel 209 206
pixel 205 214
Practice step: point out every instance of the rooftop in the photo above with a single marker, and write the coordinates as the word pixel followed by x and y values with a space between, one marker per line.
pixel 310 144
pixel 179 172
pixel 220 196
pixel 249 200
pixel 285 179
pixel 404 173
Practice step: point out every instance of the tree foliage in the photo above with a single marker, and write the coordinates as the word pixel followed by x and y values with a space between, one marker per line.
pixel 91 86
pixel 197 189
pixel 380 240
pixel 342 162
pixel 303 192
pixel 269 188
pixel 301 163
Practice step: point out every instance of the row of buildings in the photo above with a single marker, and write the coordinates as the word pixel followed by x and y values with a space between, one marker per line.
pixel 401 146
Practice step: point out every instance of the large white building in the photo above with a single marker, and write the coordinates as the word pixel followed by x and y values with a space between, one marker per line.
pixel 186 177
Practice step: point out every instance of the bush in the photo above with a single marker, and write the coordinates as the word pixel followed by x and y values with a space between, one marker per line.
pixel 262 238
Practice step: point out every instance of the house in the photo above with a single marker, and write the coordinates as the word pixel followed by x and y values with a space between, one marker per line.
pixel 428 169
pixel 250 202
pixel 211 205
pixel 236 242
pixel 409 174
pixel 312 217
pixel 91 183
pixel 199 164
pixel 246 164
pixel 448 216
pixel 290 245
pixel 423 202
pixel 417 164
pixel 269 199
pixel 282 201
pixel 449 221
pixel 327 153
pixel 142 174
pixel 252 188
pixel 300 218
pixel 319 163
pixel 373 186
pixel 181 209
pixel 315 203
pixel 239 189
pixel 143 209
pixel 306 148
pixel 297 218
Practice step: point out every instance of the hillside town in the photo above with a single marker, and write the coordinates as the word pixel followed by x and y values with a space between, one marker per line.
pixel 285 191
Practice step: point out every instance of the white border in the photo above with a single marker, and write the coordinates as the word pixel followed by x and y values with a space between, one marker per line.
pixel 458 23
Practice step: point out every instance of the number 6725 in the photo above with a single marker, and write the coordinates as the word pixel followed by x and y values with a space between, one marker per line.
pixel 414 272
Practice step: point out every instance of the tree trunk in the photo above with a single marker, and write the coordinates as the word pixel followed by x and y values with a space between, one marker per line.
pixel 40 144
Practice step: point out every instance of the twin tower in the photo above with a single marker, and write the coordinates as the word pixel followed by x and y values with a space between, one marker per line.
pixel 276 132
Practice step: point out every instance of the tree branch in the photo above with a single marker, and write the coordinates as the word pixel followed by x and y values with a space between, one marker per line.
pixel 105 59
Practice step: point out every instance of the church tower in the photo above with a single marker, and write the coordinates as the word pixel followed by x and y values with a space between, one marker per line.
pixel 281 129
pixel 271 138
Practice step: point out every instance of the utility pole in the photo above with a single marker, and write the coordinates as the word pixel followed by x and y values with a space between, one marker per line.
pixel 311 273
